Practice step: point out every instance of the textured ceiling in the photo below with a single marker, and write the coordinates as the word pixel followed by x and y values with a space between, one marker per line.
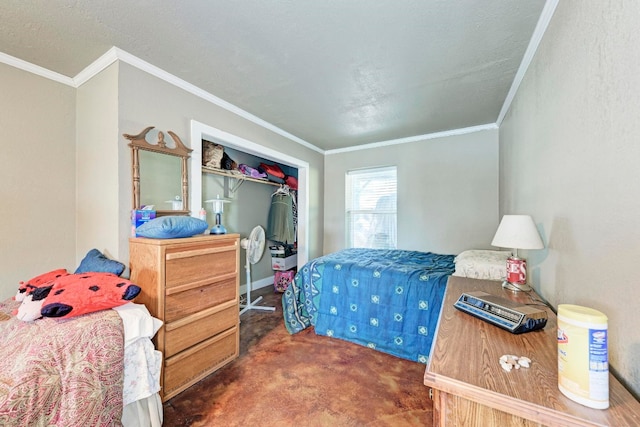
pixel 334 73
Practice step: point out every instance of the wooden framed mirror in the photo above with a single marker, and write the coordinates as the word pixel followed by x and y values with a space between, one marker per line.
pixel 159 173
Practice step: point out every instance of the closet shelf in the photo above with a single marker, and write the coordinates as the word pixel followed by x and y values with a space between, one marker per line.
pixel 240 178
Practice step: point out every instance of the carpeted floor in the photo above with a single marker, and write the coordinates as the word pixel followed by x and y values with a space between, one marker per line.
pixel 302 380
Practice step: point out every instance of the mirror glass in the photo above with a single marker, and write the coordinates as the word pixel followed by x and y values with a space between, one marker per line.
pixel 160 182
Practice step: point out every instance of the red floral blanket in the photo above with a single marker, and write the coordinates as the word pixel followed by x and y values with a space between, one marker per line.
pixel 56 372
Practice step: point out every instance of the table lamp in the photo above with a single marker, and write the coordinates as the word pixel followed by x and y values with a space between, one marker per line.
pixel 218 208
pixel 517 232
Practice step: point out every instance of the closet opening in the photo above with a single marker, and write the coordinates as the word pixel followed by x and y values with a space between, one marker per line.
pixel 243 196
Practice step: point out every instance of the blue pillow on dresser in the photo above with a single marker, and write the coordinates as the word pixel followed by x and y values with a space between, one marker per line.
pixel 172 227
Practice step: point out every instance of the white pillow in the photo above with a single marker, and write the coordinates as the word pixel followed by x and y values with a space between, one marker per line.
pixel 482 264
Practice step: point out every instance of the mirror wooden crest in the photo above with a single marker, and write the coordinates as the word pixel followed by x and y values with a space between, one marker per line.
pixel 139 142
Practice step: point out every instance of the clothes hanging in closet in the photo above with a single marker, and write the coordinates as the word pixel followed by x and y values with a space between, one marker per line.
pixel 280 226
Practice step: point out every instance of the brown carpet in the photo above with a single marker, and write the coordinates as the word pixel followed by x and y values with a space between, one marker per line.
pixel 303 380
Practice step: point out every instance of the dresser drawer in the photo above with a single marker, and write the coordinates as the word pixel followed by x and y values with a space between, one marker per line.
pixel 193 329
pixel 200 264
pixel 190 366
pixel 182 303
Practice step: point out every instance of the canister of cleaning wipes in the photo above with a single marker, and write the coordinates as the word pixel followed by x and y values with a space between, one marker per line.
pixel 583 361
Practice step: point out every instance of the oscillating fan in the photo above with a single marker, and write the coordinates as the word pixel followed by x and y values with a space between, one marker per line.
pixel 254 247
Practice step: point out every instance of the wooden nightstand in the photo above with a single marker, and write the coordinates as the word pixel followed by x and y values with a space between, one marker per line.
pixel 470 388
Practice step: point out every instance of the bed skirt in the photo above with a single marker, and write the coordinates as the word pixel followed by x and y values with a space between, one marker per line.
pixel 144 412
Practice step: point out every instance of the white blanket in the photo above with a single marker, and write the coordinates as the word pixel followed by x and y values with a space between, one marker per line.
pixel 482 264
pixel 142 362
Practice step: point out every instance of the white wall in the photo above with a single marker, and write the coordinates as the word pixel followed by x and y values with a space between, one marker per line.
pixel 37 177
pixel 97 173
pixel 569 156
pixel 447 191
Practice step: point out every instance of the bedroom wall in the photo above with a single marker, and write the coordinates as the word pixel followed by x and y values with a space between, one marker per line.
pixel 37 177
pixel 447 191
pixel 97 174
pixel 145 100
pixel 46 175
pixel 569 157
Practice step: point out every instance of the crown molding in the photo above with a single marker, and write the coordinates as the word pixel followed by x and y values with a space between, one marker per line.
pixel 35 69
pixel 115 53
pixel 96 67
pixel 454 132
pixel 538 32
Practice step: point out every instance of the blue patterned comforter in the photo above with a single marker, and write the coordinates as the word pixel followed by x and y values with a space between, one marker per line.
pixel 388 300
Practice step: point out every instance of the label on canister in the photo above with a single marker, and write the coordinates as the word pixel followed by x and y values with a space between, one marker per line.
pixel 516 271
pixel 583 361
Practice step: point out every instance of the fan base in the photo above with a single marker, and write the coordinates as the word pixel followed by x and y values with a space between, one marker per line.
pixel 253 306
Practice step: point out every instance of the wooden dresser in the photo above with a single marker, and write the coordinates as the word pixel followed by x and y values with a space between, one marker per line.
pixel 470 388
pixel 192 286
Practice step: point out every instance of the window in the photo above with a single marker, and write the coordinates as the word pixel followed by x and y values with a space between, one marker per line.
pixel 371 208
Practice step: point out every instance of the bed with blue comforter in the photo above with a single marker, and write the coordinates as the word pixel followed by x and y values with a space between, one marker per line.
pixel 388 300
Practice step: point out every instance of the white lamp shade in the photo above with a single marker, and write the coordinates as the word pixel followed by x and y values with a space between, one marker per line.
pixel 217 204
pixel 517 232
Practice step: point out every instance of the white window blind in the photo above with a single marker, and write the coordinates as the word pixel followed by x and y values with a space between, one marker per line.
pixel 371 215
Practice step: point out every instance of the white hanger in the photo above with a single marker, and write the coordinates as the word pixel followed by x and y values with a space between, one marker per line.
pixel 283 189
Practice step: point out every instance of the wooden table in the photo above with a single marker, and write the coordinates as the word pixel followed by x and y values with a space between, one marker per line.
pixel 469 387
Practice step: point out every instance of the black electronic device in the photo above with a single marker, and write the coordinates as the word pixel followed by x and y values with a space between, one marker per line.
pixel 506 314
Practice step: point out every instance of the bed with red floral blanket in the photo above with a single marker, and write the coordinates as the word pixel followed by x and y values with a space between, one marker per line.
pixel 62 372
